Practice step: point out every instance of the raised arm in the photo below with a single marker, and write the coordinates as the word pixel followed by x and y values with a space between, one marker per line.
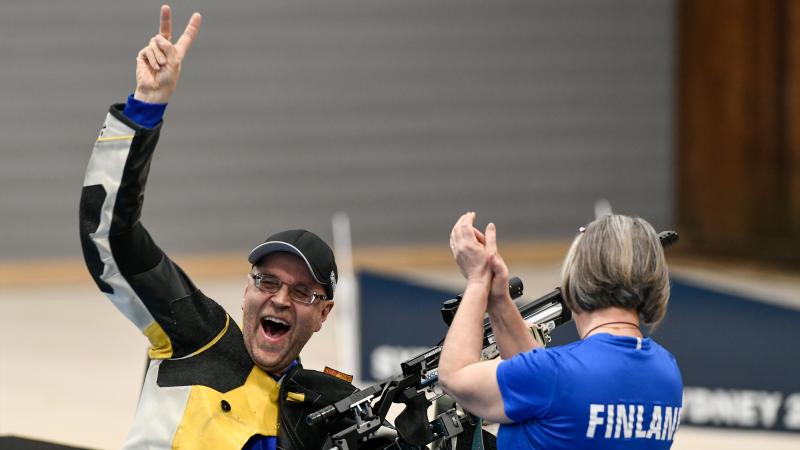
pixel 470 381
pixel 126 264
pixel 510 331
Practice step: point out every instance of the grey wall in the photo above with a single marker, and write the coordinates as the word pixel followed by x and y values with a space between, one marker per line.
pixel 403 114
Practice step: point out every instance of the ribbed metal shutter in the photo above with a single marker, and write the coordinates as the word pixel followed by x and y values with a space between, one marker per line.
pixel 403 114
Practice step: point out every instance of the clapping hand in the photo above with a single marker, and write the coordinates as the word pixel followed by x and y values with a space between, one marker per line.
pixel 477 256
pixel 497 265
pixel 468 245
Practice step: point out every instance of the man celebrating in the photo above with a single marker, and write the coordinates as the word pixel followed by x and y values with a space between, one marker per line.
pixel 209 384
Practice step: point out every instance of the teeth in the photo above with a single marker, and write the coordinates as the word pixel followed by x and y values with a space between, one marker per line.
pixel 276 320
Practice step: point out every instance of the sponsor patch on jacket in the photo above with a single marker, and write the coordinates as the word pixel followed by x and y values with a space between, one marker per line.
pixel 337 374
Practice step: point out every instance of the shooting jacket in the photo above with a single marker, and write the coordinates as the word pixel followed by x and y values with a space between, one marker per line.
pixel 202 389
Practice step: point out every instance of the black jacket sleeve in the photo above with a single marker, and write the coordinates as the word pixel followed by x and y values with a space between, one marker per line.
pixel 142 282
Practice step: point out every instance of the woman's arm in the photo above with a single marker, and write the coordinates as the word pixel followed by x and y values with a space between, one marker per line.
pixel 510 331
pixel 463 376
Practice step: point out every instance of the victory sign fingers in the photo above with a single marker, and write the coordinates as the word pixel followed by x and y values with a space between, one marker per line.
pixel 159 63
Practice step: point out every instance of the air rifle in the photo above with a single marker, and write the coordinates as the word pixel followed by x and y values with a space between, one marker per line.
pixel 414 387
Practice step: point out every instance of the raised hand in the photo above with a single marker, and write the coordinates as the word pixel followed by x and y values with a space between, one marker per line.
pixel 158 65
pixel 469 249
pixel 499 290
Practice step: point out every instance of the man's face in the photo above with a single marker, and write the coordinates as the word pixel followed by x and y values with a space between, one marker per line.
pixel 275 327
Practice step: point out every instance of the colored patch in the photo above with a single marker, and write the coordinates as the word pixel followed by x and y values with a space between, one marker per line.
pixel 339 375
pixel 295 397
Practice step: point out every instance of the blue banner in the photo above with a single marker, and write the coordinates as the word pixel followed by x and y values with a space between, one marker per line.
pixel 399 320
pixel 739 357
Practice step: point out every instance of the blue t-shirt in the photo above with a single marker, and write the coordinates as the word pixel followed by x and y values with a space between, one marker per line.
pixel 605 391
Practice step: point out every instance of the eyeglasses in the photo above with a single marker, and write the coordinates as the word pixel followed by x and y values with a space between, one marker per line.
pixel 297 292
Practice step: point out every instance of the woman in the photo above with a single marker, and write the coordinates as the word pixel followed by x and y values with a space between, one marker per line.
pixel 613 388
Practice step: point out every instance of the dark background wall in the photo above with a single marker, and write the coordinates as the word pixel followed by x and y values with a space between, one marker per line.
pixel 402 114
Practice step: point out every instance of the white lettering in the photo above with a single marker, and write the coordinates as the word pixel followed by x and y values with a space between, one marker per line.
pixel 770 405
pixel 744 408
pixel 722 410
pixel 624 421
pixel 748 415
pixel 639 419
pixel 594 419
pixel 696 402
pixel 671 418
pixel 667 422
pixel 609 426
pixel 791 418
pixel 655 424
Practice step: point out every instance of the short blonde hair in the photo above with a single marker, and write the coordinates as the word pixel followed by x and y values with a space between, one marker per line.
pixel 618 261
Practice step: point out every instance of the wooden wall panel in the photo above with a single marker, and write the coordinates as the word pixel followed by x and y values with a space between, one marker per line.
pixel 737 146
pixel 792 105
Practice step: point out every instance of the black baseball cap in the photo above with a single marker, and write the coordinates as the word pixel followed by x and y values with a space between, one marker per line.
pixel 317 255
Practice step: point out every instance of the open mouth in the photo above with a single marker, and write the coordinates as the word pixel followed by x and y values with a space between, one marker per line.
pixel 274 327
